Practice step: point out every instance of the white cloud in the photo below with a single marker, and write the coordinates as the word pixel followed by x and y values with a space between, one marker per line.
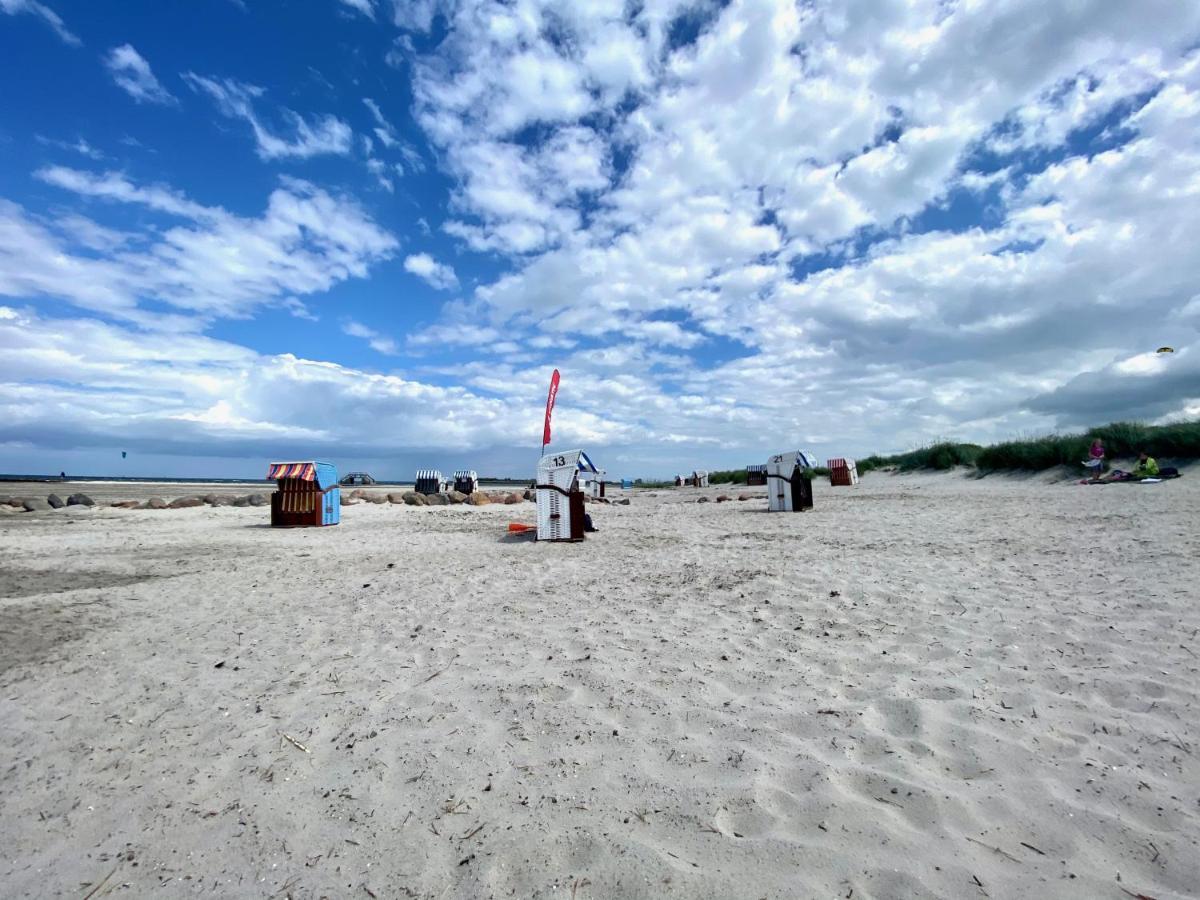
pixel 378 342
pixel 438 275
pixel 298 309
pixel 381 173
pixel 308 137
pixel 416 15
pixel 80 146
pixel 769 234
pixel 132 74
pixel 665 194
pixel 460 334
pixel 114 186
pixel 208 262
pixel 366 7
pixel 383 128
pixel 43 12
pixel 173 396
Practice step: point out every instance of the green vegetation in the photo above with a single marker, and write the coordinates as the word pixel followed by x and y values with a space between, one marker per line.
pixel 939 456
pixel 1179 440
pixel 732 476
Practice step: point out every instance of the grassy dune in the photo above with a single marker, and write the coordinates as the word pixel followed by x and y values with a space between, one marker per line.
pixel 1176 441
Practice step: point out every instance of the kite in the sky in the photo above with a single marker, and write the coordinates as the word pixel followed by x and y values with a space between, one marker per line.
pixel 122 454
pixel 1165 350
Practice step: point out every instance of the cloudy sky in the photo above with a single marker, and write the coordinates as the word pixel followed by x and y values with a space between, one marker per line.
pixel 365 230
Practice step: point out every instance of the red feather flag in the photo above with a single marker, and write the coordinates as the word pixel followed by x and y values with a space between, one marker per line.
pixel 550 408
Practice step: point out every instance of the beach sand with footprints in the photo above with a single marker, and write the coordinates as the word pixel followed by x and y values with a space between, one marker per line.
pixel 927 686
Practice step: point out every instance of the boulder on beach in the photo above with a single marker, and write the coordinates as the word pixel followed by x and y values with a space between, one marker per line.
pixel 347 500
pixel 437 500
pixel 125 504
pixel 744 497
pixel 80 500
pixel 514 498
pixel 624 501
pixel 377 498
pixel 702 500
pixel 259 500
pixel 358 494
pixel 723 498
pixel 412 498
pixel 155 503
pixel 224 500
pixel 212 499
pixel 457 497
pixel 36 504
pixel 479 498
pixel 185 502
pixel 55 501
pixel 241 501
pixel 395 498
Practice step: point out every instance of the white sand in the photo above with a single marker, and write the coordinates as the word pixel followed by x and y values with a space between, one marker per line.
pixel 899 694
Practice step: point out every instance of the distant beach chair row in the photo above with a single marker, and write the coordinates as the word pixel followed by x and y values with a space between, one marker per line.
pixel 308 493
pixel 431 481
pixel 843 471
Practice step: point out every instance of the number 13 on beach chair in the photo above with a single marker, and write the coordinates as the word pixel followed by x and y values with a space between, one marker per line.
pixel 559 497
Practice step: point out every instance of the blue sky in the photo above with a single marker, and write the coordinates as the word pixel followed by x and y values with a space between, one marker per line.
pixel 368 230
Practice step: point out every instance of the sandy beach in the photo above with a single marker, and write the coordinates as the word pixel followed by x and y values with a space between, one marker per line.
pixel 927 686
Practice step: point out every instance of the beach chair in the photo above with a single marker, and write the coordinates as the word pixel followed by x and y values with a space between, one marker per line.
pixel 592 484
pixel 429 481
pixel 789 482
pixel 756 476
pixel 466 481
pixel 560 515
pixel 307 494
pixel 842 472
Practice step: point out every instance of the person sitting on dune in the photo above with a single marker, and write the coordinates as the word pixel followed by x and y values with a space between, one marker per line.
pixel 1147 467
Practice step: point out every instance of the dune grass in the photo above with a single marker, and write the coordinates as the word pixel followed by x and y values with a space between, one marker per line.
pixel 940 456
pixel 1177 441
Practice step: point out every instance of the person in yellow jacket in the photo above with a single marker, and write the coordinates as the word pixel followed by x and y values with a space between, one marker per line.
pixel 1146 467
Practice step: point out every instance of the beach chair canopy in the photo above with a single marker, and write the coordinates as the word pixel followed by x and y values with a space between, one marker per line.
pixel 325 474
pixel 466 481
pixel 570 459
pixel 757 468
pixel 785 462
pixel 428 481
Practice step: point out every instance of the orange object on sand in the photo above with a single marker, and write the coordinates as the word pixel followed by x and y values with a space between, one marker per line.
pixel 517 527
